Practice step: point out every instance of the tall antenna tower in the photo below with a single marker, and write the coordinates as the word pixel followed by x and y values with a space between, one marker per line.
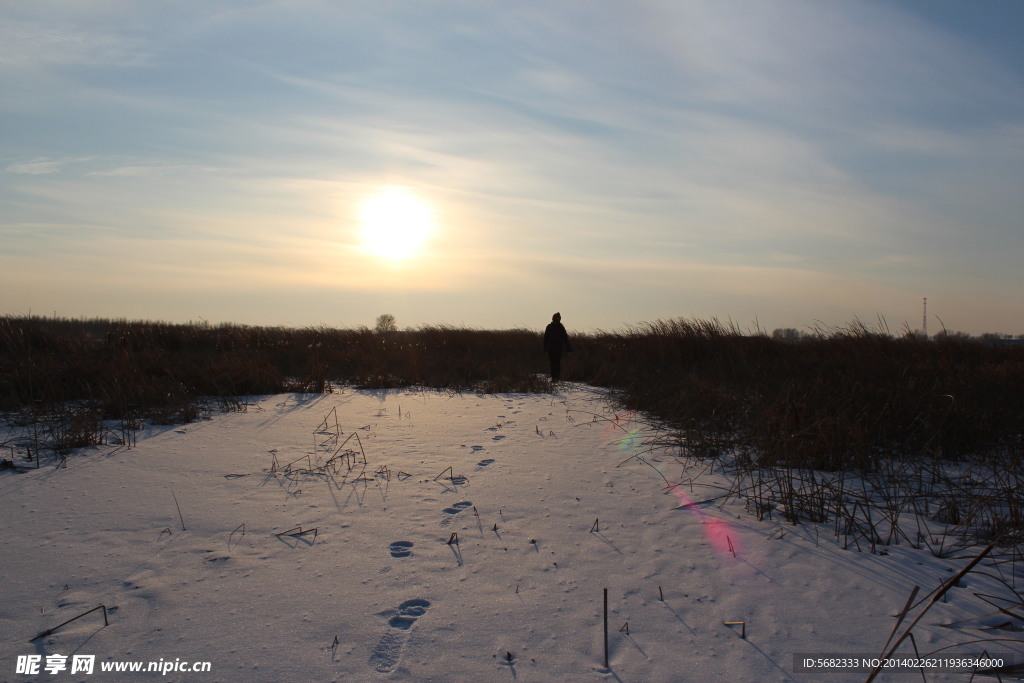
pixel 924 318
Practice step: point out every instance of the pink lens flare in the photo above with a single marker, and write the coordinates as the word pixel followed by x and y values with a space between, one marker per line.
pixel 716 530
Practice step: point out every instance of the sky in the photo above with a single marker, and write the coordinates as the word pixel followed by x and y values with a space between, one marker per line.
pixel 772 163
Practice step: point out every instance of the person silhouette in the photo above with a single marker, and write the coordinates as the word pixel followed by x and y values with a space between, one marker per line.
pixel 556 340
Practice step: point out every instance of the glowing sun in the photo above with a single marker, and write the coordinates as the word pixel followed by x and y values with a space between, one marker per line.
pixel 395 223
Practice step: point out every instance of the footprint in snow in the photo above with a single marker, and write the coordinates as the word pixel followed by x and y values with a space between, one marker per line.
pixel 454 510
pixel 477 448
pixel 499 437
pixel 388 650
pixel 484 463
pixel 401 549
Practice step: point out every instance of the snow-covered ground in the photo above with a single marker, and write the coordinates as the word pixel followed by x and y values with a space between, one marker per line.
pixel 293 567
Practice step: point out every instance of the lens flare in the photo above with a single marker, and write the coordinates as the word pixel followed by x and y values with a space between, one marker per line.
pixel 629 442
pixel 614 429
pixel 716 530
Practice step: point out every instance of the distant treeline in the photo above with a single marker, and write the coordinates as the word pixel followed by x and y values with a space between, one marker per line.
pixel 840 398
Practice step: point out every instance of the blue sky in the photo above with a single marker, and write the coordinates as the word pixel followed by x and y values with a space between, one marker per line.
pixel 776 163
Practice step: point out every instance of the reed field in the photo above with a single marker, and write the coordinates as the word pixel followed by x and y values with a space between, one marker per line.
pixel 797 422
pixel 838 399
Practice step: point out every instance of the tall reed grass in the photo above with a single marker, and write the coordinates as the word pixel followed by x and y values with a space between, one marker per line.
pixel 121 367
pixel 842 399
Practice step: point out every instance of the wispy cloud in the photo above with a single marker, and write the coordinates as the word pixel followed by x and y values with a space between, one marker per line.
pixel 43 166
pixel 33 45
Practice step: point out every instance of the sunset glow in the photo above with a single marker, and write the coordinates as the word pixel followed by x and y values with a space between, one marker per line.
pixel 781 166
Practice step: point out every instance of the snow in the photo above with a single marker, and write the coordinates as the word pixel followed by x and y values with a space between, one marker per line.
pixel 406 572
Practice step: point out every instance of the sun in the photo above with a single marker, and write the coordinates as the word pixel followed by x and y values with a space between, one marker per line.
pixel 395 223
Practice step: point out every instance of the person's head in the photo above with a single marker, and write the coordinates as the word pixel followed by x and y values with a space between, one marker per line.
pixel 557 317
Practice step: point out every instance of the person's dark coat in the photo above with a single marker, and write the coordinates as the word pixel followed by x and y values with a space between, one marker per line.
pixel 556 339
